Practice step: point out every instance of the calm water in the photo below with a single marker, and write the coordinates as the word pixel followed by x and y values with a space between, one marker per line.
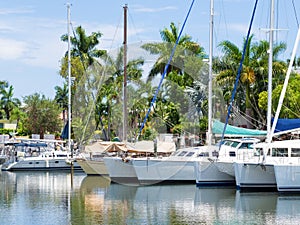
pixel 61 198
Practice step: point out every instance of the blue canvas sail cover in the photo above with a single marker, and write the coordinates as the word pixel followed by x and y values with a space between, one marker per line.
pixel 30 144
pixel 218 128
pixel 65 132
pixel 286 124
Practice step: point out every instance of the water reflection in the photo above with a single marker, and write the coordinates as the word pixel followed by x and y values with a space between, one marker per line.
pixel 36 198
pixel 213 205
pixel 63 198
pixel 288 209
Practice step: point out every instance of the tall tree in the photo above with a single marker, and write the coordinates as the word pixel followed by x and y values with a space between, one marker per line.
pixel 183 71
pixel 186 47
pixel 84 46
pixel 8 102
pixel 254 71
pixel 61 97
pixel 86 70
pixel 42 115
pixel 109 96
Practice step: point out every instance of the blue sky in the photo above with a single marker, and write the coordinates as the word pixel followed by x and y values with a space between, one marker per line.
pixel 30 30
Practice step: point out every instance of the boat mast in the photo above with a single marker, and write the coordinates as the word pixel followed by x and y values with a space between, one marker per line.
pixel 285 84
pixel 69 80
pixel 125 76
pixel 270 68
pixel 209 132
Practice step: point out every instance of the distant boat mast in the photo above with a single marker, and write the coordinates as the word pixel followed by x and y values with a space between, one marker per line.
pixel 270 70
pixel 69 79
pixel 209 132
pixel 125 76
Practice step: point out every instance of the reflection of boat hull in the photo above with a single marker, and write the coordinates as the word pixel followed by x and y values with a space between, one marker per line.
pixel 253 175
pixel 150 171
pixel 215 196
pixel 119 170
pixel 91 167
pixel 38 164
pixel 208 174
pixel 89 183
pixel 287 177
pixel 255 201
pixel 44 181
pixel 165 193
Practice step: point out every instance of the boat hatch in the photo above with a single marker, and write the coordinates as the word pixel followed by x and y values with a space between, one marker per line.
pixel 190 154
pixel 182 153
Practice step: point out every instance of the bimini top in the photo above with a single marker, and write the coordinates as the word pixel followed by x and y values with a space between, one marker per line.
pixel 233 131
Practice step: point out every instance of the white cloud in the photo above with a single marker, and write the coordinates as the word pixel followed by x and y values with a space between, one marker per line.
pixel 11 49
pixel 16 11
pixel 151 10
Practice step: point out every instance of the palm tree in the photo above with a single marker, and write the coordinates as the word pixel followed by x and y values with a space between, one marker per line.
pixel 109 96
pixel 186 47
pixel 183 71
pixel 84 54
pixel 8 102
pixel 254 72
pixel 85 46
pixel 61 97
pixel 3 84
pixel 85 68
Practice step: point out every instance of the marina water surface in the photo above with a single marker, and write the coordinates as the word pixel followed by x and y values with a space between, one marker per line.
pixel 65 198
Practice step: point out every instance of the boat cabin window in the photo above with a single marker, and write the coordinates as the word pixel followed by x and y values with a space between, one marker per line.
pixel 232 153
pixel 295 152
pixel 259 151
pixel 280 152
pixel 190 154
pixel 203 154
pixel 182 153
pixel 61 155
pixel 246 146
pixel 234 144
pixel 99 155
pixel 228 143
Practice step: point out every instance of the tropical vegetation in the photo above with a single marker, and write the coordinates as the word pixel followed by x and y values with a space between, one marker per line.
pixel 179 106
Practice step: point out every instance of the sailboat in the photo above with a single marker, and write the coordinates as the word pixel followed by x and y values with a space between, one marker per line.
pixel 287 169
pixel 185 163
pixel 205 171
pixel 120 168
pixel 248 174
pixel 218 170
pixel 41 154
pixel 260 171
pixel 117 169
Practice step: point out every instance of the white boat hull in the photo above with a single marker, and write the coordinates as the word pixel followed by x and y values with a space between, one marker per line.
pixel 93 167
pixel 31 164
pixel 287 178
pixel 254 175
pixel 226 167
pixel 119 170
pixel 208 174
pixel 151 171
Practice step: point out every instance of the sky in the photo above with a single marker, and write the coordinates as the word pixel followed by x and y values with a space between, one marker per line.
pixel 30 31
